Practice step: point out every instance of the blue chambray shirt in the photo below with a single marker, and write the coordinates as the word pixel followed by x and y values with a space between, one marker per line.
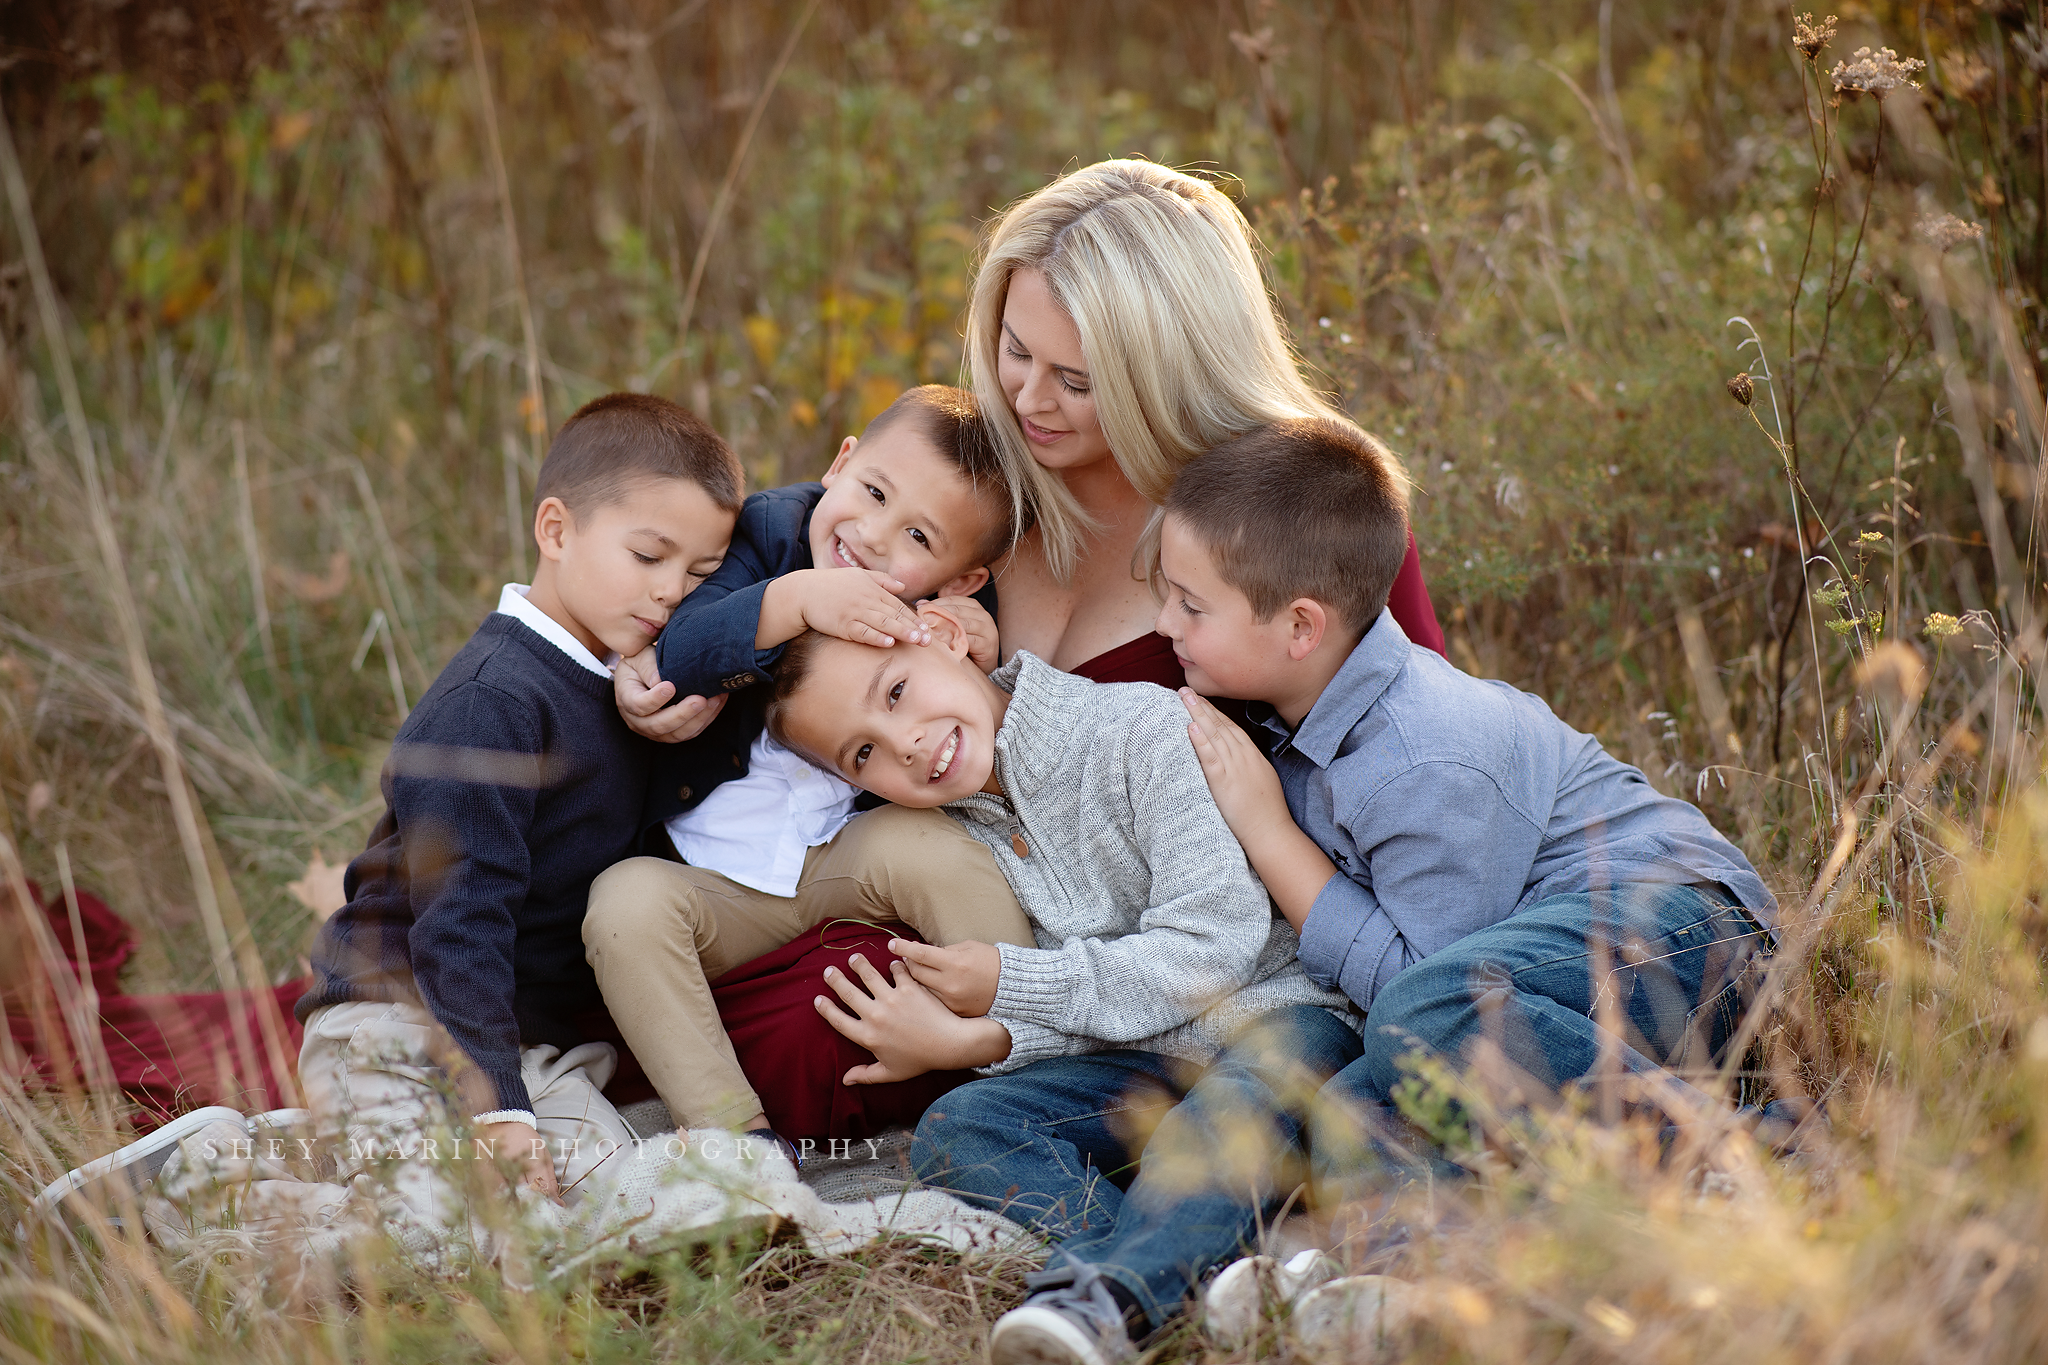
pixel 1449 803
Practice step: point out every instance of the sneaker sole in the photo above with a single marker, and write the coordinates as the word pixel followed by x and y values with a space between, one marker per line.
pixel 139 1162
pixel 1039 1336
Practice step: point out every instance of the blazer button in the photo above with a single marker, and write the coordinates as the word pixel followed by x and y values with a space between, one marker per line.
pixel 1023 849
pixel 736 762
pixel 684 793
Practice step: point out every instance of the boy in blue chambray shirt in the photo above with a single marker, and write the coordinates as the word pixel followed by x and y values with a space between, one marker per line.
pixel 1456 859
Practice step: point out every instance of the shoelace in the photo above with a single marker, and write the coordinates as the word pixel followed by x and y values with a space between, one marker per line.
pixel 1079 1290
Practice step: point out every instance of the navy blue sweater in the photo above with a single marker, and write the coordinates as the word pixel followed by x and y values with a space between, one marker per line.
pixel 509 788
pixel 708 647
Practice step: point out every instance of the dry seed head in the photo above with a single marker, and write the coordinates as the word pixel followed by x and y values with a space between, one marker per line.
pixel 1742 389
pixel 1939 625
pixel 1810 37
pixel 1875 73
pixel 1943 231
pixel 1968 78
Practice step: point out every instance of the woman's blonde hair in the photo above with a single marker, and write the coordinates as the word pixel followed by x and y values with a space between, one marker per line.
pixel 1183 346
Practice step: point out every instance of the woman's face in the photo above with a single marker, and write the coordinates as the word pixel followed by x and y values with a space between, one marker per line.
pixel 1045 376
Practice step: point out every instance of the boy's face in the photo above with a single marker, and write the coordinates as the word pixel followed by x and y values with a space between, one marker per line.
pixel 618 569
pixel 914 724
pixel 894 503
pixel 1225 649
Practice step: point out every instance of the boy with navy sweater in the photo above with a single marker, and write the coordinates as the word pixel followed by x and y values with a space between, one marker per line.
pixel 510 786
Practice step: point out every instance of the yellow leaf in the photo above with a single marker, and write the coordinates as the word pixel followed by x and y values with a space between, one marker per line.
pixel 804 413
pixel 876 392
pixel 764 336
pixel 291 129
pixel 320 889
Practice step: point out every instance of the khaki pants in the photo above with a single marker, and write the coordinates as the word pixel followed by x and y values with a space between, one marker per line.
pixel 380 1106
pixel 659 933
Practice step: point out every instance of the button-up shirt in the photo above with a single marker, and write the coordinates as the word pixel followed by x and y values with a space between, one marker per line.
pixel 1449 803
pixel 756 828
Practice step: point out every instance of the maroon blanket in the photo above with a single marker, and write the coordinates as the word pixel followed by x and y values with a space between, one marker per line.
pixel 173 1053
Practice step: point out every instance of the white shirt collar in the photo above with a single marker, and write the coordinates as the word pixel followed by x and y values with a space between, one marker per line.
pixel 512 602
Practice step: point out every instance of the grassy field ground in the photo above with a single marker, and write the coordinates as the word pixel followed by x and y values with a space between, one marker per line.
pixel 1714 342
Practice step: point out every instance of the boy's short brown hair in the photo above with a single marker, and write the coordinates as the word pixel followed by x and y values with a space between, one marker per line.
pixel 951 420
pixel 1304 507
pixel 619 440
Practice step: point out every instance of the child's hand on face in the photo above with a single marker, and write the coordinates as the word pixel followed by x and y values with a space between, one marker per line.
pixel 519 1142
pixel 964 976
pixel 642 695
pixel 907 1027
pixel 1246 788
pixel 858 605
pixel 984 645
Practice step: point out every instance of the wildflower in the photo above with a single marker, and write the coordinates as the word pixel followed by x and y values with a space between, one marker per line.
pixel 1939 625
pixel 1869 537
pixel 1810 37
pixel 1943 231
pixel 1876 73
pixel 1742 389
pixel 1968 78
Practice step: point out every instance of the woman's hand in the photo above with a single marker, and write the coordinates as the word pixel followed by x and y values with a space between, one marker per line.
pixel 984 644
pixel 642 695
pixel 1248 793
pixel 964 976
pixel 905 1026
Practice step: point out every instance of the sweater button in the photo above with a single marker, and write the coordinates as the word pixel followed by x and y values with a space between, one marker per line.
pixel 684 793
pixel 1023 849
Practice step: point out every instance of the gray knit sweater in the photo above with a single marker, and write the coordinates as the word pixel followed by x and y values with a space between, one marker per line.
pixel 1153 931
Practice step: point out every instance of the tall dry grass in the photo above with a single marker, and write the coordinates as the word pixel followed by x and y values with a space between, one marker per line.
pixel 326 273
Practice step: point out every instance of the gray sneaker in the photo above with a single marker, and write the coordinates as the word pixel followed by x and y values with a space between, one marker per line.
pixel 120 1178
pixel 1072 1319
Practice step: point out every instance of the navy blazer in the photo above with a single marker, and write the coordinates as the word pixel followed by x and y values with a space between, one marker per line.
pixel 708 647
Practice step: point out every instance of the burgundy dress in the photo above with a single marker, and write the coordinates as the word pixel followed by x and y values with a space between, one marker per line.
pixel 795 1059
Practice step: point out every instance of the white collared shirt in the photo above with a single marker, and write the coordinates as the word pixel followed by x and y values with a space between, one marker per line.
pixel 756 829
pixel 512 602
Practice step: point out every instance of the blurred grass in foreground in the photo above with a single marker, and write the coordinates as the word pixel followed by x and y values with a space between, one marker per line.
pixel 320 330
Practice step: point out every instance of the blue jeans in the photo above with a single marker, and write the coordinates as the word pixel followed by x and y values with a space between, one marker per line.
pixel 1675 964
pixel 1056 1145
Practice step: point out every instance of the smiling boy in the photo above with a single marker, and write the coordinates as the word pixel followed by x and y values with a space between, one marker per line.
pixel 1158 1010
pixel 915 507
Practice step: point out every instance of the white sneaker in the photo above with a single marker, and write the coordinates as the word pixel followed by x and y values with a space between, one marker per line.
pixel 1238 1299
pixel 1358 1320
pixel 121 1176
pixel 1046 1335
pixel 1075 1322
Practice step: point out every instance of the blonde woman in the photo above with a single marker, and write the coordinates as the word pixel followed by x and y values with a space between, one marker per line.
pixel 1119 327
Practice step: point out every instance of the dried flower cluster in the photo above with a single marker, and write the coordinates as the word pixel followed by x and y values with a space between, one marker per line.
pixel 1810 37
pixel 1940 625
pixel 1943 231
pixel 1876 73
pixel 1969 78
pixel 1742 389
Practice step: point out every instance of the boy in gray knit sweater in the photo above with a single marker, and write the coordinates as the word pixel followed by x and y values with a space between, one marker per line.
pixel 1163 1010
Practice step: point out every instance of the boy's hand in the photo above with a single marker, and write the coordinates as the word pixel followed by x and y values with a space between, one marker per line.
pixel 519 1142
pixel 1247 792
pixel 984 644
pixel 1246 788
pixel 856 604
pixel 643 694
pixel 905 1026
pixel 963 976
